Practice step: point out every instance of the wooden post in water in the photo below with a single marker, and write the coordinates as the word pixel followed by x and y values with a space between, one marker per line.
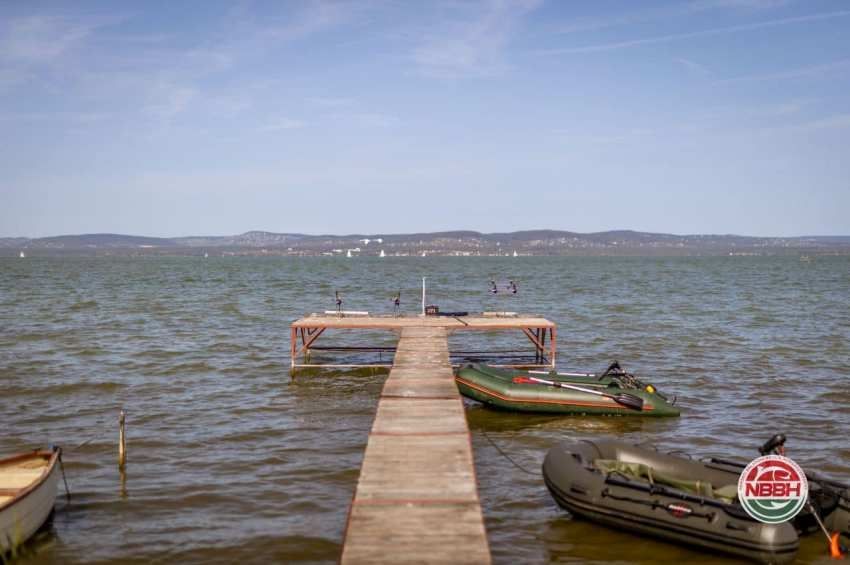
pixel 423 296
pixel 122 445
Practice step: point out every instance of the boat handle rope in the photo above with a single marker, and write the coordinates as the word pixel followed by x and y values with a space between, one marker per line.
pixel 730 509
pixel 672 508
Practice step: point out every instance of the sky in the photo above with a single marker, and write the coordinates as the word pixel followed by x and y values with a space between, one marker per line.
pixel 215 118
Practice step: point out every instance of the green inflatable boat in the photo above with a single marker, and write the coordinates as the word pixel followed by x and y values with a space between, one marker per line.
pixel 612 393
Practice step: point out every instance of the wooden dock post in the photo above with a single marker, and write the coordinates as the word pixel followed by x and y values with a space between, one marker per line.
pixel 417 497
pixel 122 443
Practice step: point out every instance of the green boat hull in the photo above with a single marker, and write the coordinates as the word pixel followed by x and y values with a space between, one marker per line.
pixel 496 387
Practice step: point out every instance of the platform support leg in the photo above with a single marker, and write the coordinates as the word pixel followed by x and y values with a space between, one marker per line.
pixel 552 346
pixel 293 337
pixel 542 344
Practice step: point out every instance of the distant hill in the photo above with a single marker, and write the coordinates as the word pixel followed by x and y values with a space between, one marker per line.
pixel 99 240
pixel 528 242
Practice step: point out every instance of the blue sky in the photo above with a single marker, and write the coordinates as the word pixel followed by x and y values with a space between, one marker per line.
pixel 189 118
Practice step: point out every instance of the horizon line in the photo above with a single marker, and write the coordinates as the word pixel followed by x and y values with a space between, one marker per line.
pixel 379 234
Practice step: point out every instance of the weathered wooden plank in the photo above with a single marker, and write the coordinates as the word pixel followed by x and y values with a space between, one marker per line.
pixel 427 416
pixel 422 344
pixel 421 373
pixel 424 332
pixel 416 533
pixel 413 387
pixel 421 359
pixel 435 468
pixel 420 324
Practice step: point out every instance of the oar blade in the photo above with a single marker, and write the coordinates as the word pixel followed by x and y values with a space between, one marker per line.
pixel 629 401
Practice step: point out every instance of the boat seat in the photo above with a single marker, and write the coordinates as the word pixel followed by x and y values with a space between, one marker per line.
pixel 4 499
pixel 17 478
pixel 725 493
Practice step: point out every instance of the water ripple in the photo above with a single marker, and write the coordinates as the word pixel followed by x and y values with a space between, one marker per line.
pixel 230 460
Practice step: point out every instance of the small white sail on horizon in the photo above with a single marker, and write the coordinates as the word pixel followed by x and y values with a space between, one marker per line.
pixel 348 253
pixel 382 254
pixel 515 254
pixel 22 255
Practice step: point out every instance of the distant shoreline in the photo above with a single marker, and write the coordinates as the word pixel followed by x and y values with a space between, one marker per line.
pixel 544 243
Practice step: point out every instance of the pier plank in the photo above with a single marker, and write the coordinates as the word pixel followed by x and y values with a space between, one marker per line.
pixel 424 533
pixel 444 373
pixel 419 387
pixel 414 416
pixel 435 468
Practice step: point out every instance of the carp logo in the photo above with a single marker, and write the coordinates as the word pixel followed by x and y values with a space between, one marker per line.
pixel 773 489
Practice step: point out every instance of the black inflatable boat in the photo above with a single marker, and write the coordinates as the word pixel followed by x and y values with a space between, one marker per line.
pixel 682 500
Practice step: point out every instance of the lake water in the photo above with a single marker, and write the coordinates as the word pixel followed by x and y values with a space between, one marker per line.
pixel 229 460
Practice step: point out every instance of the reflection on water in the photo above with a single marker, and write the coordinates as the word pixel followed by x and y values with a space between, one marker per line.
pixel 230 460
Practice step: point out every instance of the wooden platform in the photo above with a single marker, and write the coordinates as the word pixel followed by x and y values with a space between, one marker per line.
pixel 539 331
pixel 417 497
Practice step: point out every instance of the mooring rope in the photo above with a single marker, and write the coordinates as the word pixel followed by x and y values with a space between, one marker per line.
pixel 64 480
pixel 505 455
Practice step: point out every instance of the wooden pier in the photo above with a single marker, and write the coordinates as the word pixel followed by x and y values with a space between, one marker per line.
pixel 305 333
pixel 417 496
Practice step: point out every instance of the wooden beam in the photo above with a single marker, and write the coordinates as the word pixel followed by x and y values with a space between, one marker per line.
pixel 310 341
pixel 533 339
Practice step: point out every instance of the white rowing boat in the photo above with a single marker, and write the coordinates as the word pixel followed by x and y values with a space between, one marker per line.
pixel 27 493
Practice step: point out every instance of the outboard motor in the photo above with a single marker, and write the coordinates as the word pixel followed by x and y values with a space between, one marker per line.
pixel 827 498
pixel 775 444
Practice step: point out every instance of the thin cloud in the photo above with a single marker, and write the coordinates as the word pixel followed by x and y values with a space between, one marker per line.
pixel 41 39
pixel 749 4
pixel 318 16
pixel 368 119
pixel 825 124
pixel 282 124
pixel 473 47
pixel 838 121
pixel 693 67
pixel 695 34
pixel 168 99
pixel 811 70
pixel 665 13
pixel 330 102
pixel 72 117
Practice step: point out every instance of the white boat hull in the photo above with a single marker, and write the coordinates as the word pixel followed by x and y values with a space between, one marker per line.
pixel 22 514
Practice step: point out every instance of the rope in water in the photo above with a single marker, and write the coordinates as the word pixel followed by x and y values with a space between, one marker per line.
pixel 505 455
pixel 64 480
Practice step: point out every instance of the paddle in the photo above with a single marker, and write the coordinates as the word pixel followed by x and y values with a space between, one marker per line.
pixel 627 400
